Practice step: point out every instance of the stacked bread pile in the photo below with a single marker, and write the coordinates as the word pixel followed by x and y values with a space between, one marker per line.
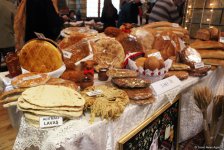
pixel 159 27
pixel 212 52
pixel 137 88
pixel 50 100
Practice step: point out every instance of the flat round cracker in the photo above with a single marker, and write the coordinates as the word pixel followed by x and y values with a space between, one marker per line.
pixel 139 93
pixel 40 56
pixel 130 82
pixel 53 96
pixel 108 51
pixel 29 80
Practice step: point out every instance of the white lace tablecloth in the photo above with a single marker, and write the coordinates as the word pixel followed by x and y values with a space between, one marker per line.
pixel 101 135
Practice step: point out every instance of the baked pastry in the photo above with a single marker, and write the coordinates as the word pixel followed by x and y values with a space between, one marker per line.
pixel 129 43
pixel 217 54
pixel 130 82
pixel 144 37
pixel 121 73
pixel 40 56
pixel 153 63
pixel 62 82
pixel 29 80
pixel 70 31
pixel 207 45
pixel 167 43
pixel 216 62
pixel 215 33
pixel 108 104
pixel 139 93
pixel 180 67
pixel 140 62
pixel 108 52
pixel 71 40
pixel 190 56
pixel 203 34
pixel 76 52
pixel 179 74
pixel 112 31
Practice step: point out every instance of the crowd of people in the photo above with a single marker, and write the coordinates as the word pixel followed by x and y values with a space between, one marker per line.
pixel 43 16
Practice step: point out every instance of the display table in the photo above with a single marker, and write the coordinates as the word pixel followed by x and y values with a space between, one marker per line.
pixel 102 134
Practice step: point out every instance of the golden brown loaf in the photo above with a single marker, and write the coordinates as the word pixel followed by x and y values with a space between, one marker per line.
pixel 150 51
pixel 71 40
pixel 214 61
pixel 40 56
pixel 219 54
pixel 207 45
pixel 215 33
pixel 112 31
pixel 167 43
pixel 203 34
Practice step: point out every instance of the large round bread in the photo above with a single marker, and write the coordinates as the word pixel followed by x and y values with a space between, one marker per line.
pixel 108 51
pixel 40 56
pixel 71 40
pixel 52 96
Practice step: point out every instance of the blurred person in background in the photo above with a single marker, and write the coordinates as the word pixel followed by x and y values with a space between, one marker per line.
pixel 166 10
pixel 109 14
pixel 36 16
pixel 129 12
pixel 7 40
pixel 71 15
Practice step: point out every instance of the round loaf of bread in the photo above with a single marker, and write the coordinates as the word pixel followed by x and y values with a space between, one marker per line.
pixel 40 56
pixel 140 62
pixel 152 63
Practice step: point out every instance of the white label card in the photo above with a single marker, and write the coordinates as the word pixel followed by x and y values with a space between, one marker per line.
pixel 165 85
pixel 50 121
pixel 31 77
pixel 94 93
pixel 175 25
pixel 157 55
pixel 199 65
pixel 166 38
pixel 67 54
pixel 221 39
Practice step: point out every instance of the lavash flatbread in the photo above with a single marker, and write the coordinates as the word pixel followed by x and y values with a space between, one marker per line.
pixel 66 114
pixel 26 105
pixel 53 96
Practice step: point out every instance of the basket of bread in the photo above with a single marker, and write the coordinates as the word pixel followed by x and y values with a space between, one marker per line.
pixel 149 65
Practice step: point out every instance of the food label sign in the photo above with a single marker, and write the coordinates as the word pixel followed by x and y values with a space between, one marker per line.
pixel 50 121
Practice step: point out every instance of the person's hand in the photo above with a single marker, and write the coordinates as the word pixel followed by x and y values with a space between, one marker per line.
pixel 65 18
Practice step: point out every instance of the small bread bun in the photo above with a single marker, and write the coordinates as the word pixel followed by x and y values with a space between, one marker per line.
pixel 151 51
pixel 161 64
pixel 140 62
pixel 214 33
pixel 152 63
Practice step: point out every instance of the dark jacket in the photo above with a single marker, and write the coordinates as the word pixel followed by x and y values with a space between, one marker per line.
pixel 128 13
pixel 42 17
pixel 109 19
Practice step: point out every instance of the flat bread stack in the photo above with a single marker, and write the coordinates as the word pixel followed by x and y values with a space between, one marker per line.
pixel 137 88
pixel 50 100
pixel 40 56
pixel 109 103
pixel 212 52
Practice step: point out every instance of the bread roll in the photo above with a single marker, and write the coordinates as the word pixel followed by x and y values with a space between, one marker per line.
pixel 219 54
pixel 112 31
pixel 140 62
pixel 203 34
pixel 215 33
pixel 152 63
